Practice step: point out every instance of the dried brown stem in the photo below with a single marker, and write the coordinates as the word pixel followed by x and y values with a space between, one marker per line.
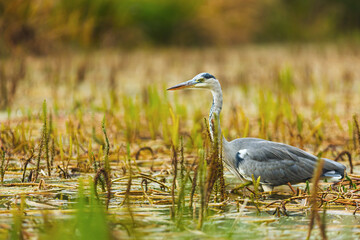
pixel 174 163
pixel 103 172
pixel 348 154
pixel 313 201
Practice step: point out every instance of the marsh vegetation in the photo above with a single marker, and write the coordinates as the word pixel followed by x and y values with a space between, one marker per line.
pixel 92 145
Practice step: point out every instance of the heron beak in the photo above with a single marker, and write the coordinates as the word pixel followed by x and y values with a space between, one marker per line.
pixel 186 84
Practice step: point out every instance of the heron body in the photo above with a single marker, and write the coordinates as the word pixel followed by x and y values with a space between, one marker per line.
pixel 275 163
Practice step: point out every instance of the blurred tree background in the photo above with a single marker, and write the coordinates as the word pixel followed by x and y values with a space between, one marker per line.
pixel 44 26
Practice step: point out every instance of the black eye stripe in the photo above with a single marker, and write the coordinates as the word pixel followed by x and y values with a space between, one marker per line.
pixel 207 75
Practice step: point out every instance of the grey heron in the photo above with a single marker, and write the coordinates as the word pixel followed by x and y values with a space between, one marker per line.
pixel 276 163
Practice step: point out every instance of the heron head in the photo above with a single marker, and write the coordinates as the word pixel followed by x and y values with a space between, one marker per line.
pixel 202 80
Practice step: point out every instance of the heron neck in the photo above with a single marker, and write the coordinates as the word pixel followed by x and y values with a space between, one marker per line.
pixel 214 116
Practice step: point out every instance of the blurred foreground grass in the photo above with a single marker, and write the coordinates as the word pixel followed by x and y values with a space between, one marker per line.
pixel 107 117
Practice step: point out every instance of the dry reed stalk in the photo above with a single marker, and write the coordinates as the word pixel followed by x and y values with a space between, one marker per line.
pixel 3 89
pixel 221 175
pixel 313 201
pixel 356 134
pixel 107 148
pixel 143 149
pixel 152 153
pixel 348 154
pixel 46 135
pixel 174 162
pixel 25 165
pixel 38 160
pixel 212 175
pixel 182 160
pixel 104 173
pixel 202 164
pixel 141 175
pixel 215 167
pixel 194 183
pixel 4 166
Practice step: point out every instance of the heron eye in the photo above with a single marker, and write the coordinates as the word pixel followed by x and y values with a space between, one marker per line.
pixel 200 80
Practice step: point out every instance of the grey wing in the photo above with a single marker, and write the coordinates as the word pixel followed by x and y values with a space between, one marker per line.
pixel 275 163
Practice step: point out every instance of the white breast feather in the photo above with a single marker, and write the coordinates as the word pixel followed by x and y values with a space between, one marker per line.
pixel 242 153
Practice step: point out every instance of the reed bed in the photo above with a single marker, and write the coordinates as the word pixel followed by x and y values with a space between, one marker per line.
pixel 92 146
